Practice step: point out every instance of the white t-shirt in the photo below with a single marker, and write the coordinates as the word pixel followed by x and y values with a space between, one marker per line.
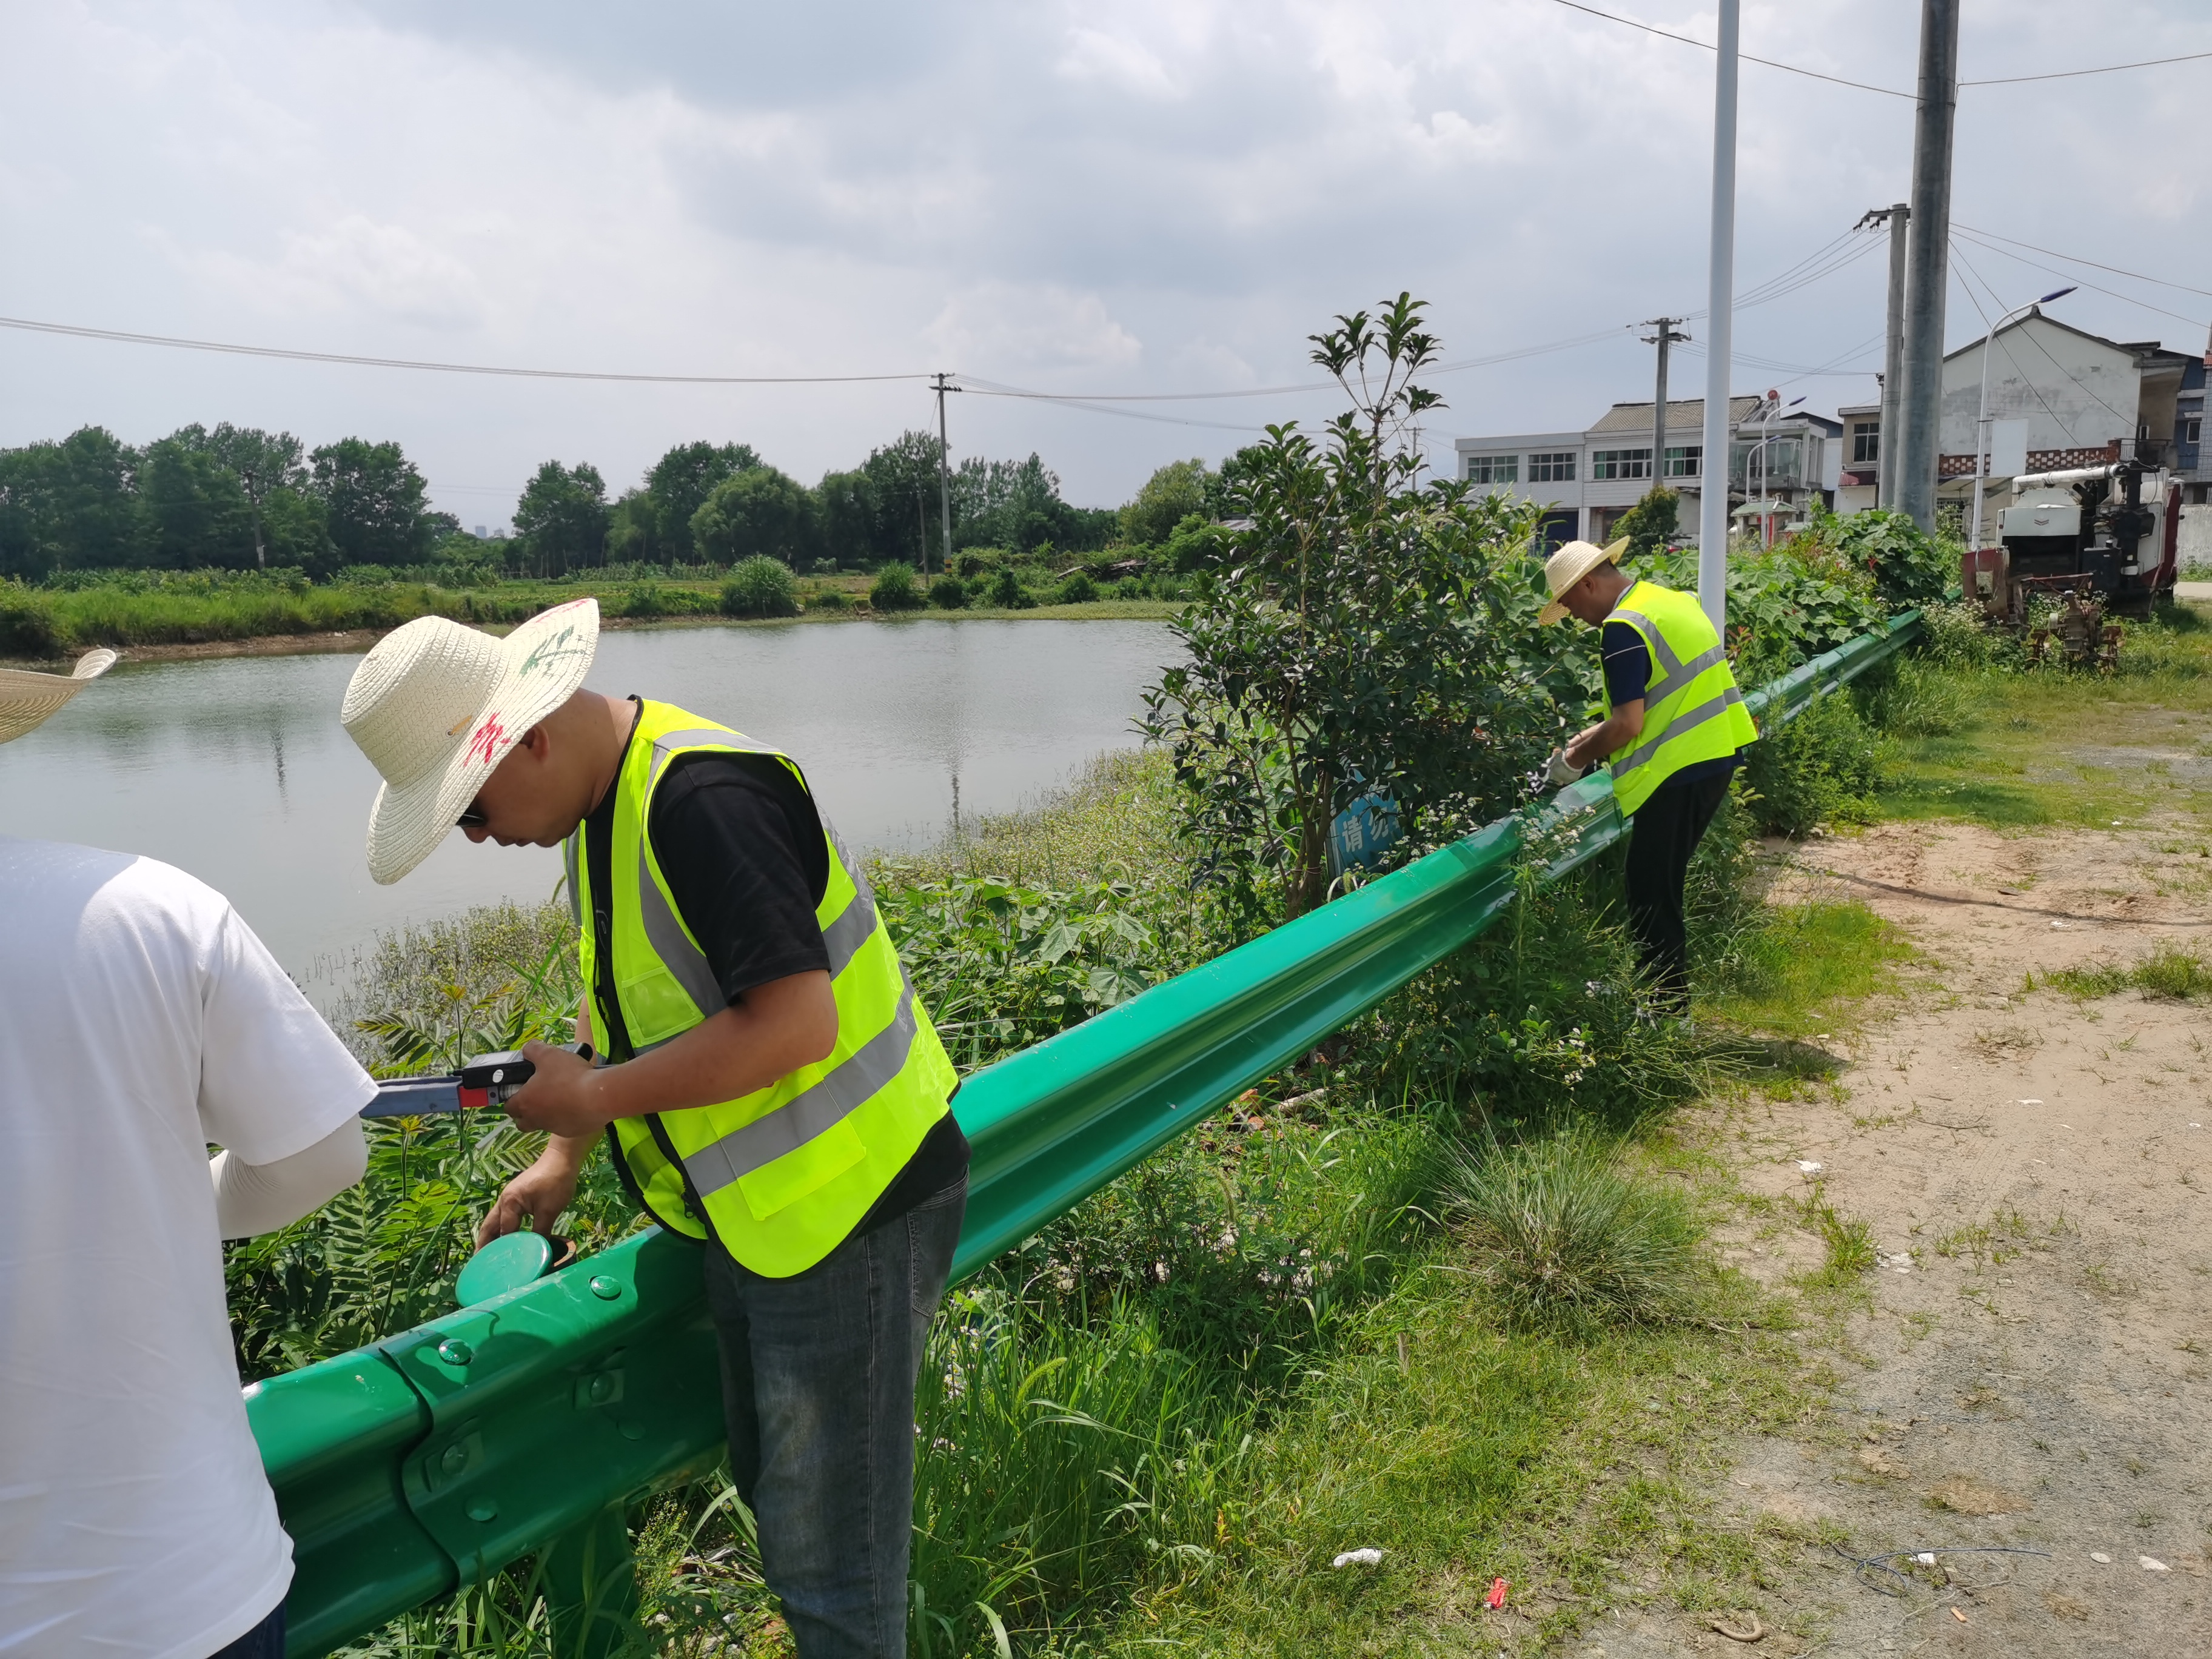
pixel 140 1018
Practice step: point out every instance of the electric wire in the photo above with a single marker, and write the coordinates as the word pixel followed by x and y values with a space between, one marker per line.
pixel 2127 421
pixel 2083 282
pixel 229 349
pixel 2076 259
pixel 1989 333
pixel 1862 86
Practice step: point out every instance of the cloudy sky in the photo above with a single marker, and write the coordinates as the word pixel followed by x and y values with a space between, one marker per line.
pixel 1141 197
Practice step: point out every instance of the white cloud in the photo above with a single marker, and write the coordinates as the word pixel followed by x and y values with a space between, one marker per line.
pixel 1030 327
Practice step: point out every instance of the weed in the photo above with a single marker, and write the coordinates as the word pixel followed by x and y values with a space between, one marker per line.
pixel 1567 1239
pixel 2171 972
pixel 1849 1240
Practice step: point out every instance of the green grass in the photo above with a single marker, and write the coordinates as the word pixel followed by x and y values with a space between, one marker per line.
pixel 2019 749
pixel 2172 973
pixel 1809 967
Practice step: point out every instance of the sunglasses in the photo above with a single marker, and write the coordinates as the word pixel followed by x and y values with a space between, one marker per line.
pixel 474 818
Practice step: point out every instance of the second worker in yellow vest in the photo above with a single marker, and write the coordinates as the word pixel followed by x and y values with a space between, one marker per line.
pixel 769 1085
pixel 1674 731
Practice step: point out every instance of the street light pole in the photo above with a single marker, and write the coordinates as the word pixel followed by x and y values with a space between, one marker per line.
pixel 1713 502
pixel 1982 419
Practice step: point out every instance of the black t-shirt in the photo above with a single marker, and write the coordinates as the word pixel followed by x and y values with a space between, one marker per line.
pixel 742 849
pixel 1628 677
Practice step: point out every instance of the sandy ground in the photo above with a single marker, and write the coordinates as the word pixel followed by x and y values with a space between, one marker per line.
pixel 2030 1374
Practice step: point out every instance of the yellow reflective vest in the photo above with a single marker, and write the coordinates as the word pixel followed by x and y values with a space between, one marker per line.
pixel 1693 710
pixel 780 1176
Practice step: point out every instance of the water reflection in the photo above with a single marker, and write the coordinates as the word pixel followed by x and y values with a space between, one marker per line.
pixel 235 770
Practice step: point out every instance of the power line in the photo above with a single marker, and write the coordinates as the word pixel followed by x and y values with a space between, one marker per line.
pixel 1837 80
pixel 2083 282
pixel 229 349
pixel 2067 75
pixel 2076 259
pixel 1861 86
pixel 1989 333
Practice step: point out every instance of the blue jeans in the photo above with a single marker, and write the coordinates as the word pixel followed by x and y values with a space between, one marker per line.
pixel 817 1383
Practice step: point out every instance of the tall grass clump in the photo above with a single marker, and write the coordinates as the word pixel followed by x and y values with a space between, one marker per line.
pixel 760 586
pixel 895 588
pixel 1565 1240
pixel 2172 973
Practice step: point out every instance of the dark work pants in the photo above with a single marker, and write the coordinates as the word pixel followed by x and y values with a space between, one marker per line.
pixel 818 1384
pixel 1663 835
pixel 265 1641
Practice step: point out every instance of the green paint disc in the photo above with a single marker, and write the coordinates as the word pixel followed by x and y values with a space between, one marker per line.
pixel 501 1266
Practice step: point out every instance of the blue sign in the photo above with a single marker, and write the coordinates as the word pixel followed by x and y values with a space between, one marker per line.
pixel 1363 832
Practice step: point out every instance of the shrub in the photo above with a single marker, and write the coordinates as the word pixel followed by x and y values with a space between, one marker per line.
pixel 948 593
pixel 1007 593
pixel 760 586
pixel 830 598
pixel 1953 636
pixel 1820 767
pixel 1567 1241
pixel 973 562
pixel 643 601
pixel 28 625
pixel 1077 589
pixel 1129 587
pixel 1652 524
pixel 896 589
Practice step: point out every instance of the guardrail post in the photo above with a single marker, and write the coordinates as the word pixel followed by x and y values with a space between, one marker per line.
pixel 591 1585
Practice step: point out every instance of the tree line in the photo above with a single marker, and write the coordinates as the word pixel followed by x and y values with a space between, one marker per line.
pixel 242 498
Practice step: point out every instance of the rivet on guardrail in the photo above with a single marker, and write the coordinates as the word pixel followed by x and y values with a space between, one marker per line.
pixel 454 1352
pixel 455 1460
pixel 607 1289
pixel 600 1389
pixel 483 1510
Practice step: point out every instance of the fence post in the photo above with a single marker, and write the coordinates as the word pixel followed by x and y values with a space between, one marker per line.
pixel 590 1586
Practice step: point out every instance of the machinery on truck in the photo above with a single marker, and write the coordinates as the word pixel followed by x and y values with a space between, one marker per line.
pixel 2089 540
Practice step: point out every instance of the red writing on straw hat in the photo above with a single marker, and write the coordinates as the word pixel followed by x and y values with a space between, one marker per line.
pixel 487 738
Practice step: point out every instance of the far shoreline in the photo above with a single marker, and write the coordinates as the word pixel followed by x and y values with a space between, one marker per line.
pixel 357 640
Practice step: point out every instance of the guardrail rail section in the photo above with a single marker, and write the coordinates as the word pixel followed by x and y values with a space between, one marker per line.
pixel 528 1423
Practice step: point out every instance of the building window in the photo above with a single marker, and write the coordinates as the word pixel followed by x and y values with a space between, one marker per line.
pixel 1620 463
pixel 1493 469
pixel 1865 443
pixel 1551 466
pixel 1684 461
pixel 2192 428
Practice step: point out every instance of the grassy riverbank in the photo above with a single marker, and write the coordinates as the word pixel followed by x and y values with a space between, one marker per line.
pixel 169 609
pixel 1290 1334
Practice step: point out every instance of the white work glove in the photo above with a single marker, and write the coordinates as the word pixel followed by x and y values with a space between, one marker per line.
pixel 1559 771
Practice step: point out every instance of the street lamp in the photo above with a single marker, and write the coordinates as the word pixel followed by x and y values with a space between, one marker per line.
pixel 1773 412
pixel 1982 421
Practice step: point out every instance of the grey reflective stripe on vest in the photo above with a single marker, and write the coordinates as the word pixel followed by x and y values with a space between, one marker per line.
pixel 1674 672
pixel 854 927
pixel 1688 719
pixel 805 1116
pixel 1678 678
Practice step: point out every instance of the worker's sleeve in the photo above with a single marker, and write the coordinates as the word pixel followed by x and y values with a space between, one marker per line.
pixel 743 852
pixel 251 1199
pixel 1628 663
pixel 274 1078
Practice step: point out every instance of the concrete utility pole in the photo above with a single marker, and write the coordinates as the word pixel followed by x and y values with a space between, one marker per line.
pixel 943 476
pixel 1713 502
pixel 1892 361
pixel 1665 338
pixel 1928 266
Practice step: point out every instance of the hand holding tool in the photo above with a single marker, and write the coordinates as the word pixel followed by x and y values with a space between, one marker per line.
pixel 486 1080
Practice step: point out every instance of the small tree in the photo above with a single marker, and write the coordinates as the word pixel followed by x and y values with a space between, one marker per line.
pixel 1652 524
pixel 1368 632
pixel 760 586
pixel 759 511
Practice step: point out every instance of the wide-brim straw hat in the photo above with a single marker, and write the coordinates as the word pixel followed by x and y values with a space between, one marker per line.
pixel 1569 565
pixel 436 707
pixel 28 697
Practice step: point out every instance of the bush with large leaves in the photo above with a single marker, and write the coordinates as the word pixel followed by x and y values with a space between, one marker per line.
pixel 1367 632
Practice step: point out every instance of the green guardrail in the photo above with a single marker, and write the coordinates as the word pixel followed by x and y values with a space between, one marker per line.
pixel 527 1424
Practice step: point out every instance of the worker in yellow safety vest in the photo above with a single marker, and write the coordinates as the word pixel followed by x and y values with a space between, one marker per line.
pixel 1675 731
pixel 765 1082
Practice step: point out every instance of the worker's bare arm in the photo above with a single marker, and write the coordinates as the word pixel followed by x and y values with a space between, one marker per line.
pixel 771 1031
pixel 1623 727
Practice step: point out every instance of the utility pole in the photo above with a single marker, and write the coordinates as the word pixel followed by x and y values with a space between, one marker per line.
pixel 1928 266
pixel 1665 338
pixel 1713 500
pixel 944 476
pixel 1896 216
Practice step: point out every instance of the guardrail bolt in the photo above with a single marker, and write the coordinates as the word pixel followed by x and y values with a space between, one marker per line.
pixel 483 1510
pixel 607 1289
pixel 599 1390
pixel 455 1460
pixel 454 1352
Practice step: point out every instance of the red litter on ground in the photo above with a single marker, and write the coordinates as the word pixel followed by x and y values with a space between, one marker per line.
pixel 1495 1598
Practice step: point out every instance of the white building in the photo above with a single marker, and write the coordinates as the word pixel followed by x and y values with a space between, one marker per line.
pixel 1587 480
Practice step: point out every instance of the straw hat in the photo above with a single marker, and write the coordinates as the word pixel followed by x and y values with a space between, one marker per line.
pixel 27 698
pixel 436 707
pixel 1569 565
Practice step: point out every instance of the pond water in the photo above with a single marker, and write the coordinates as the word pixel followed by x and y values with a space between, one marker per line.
pixel 236 769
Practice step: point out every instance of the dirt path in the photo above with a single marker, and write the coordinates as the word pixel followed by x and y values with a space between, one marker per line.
pixel 2030 1374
